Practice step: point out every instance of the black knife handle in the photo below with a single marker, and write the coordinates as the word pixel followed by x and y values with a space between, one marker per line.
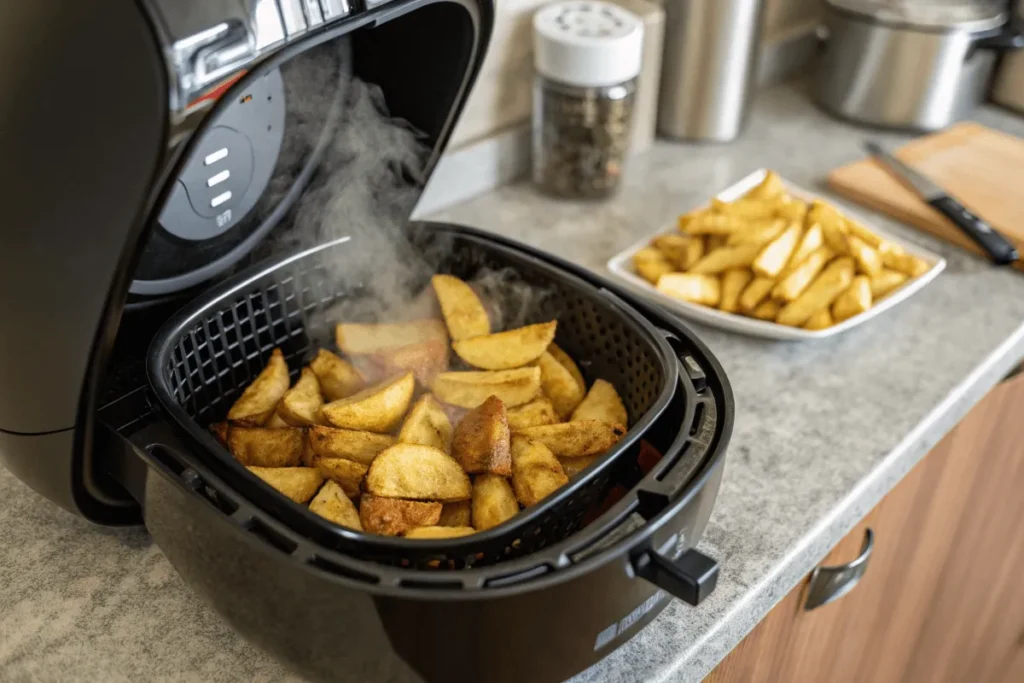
pixel 995 245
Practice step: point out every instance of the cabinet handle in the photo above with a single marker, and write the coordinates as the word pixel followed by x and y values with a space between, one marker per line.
pixel 831 583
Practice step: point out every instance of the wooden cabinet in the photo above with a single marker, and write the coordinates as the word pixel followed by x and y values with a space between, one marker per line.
pixel 942 599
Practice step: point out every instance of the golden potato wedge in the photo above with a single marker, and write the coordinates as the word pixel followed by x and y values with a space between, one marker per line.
pixel 758 234
pixel 895 258
pixel 714 242
pixel 298 483
pixel 470 389
pixel 749 208
pixel 463 311
pixel 700 289
pixel 300 406
pixel 425 359
pixel 832 282
pixel 885 282
pixel 793 210
pixel 220 432
pixel 440 532
pixel 509 349
pixel 860 232
pixel 734 282
pixel 770 187
pixel 766 310
pixel 427 424
pixel 493 501
pixel 456 514
pixel 602 403
pixel 536 472
pixel 812 240
pixel 820 320
pixel 333 504
pixel 720 260
pixel 856 299
pixel 377 409
pixel 774 256
pixel 539 411
pixel 868 260
pixel 481 441
pixel 687 218
pixel 578 438
pixel 573 466
pixel 715 224
pixel 354 445
pixel 417 472
pixel 393 516
pixel 263 447
pixel 276 421
pixel 347 474
pixel 651 264
pixel 337 377
pixel 681 251
pixel 259 400
pixel 570 365
pixel 755 292
pixel 798 279
pixel 367 338
pixel 559 385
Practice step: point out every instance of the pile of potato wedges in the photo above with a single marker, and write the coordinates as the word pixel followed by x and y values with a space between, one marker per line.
pixel 395 436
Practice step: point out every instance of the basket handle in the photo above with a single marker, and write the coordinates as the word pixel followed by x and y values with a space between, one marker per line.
pixel 691 577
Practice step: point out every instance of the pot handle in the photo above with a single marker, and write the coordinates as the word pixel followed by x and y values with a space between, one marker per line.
pixel 691 577
pixel 1010 36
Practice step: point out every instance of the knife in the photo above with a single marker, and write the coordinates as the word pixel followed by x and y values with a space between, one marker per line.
pixel 984 235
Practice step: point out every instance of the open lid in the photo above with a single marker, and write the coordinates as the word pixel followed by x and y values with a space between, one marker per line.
pixel 962 15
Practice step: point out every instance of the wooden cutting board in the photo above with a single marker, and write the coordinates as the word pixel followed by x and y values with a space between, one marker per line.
pixel 981 167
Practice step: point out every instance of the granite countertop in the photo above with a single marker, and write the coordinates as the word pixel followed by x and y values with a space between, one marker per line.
pixel 823 431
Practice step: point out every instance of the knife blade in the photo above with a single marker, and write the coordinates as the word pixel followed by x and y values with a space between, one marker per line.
pixel 999 250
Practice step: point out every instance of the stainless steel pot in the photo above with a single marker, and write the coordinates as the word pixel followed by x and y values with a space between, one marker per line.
pixel 909 64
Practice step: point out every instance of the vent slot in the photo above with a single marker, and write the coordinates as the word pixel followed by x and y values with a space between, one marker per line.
pixel 270 536
pixel 332 568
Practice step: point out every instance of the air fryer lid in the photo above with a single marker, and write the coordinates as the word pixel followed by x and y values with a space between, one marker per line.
pixel 966 15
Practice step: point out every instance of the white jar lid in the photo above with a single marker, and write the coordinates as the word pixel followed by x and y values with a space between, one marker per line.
pixel 587 43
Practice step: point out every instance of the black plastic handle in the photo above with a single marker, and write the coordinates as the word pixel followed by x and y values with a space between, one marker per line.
pixel 1007 37
pixel 691 578
pixel 984 235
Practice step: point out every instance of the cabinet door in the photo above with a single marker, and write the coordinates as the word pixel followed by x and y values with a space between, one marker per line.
pixel 942 600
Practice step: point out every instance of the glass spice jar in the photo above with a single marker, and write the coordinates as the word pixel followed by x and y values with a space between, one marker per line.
pixel 588 57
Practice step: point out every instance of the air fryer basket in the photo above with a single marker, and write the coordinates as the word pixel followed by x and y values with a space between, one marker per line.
pixel 205 356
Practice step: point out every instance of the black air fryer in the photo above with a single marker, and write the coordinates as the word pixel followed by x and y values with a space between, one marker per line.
pixel 191 184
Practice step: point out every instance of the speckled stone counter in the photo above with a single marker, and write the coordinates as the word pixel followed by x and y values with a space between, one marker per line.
pixel 823 431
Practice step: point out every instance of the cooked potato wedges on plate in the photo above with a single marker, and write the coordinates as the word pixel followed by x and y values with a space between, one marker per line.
pixel 885 282
pixel 456 514
pixel 366 338
pixel 506 350
pixel 298 483
pixel 832 282
pixel 682 251
pixel 259 400
pixel 338 378
pixel 470 389
pixel 379 408
pixel 537 412
pixel 481 441
pixel 576 439
pixel 854 300
pixel 536 472
pixel 493 501
pixel 417 472
pixel 358 446
pixel 559 385
pixel 734 282
pixel 427 424
pixel 602 403
pixel 393 516
pixel 346 473
pixel 464 313
pixel 300 406
pixel 333 504
pixel 651 264
pixel 263 447
pixel 700 289
pixel 440 532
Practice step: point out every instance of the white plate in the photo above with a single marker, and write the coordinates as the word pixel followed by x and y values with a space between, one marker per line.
pixel 621 267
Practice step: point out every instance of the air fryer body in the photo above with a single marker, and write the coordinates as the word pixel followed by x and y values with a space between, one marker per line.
pixel 149 149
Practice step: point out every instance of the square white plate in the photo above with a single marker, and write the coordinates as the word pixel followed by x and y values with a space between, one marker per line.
pixel 621 267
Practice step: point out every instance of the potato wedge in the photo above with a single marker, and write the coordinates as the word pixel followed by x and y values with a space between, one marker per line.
pixel 812 240
pixel 509 349
pixel 685 219
pixel 470 389
pixel 602 403
pixel 715 224
pixel 354 445
pixel 856 299
pixel 860 232
pixel 720 260
pixel 481 441
pixel 766 310
pixel 377 409
pixel 573 466
pixel 570 365
pixel 650 264
pixel 770 187
pixel 681 251
pixel 392 516
pixel 885 282
pixel 367 338
pixel 798 279
pixel 337 377
pixel 895 258
pixel 734 282
pixel 539 411
pixel 820 320
pixel 493 501
pixel 425 360
pixel 700 289
pixel 220 432
pixel 298 483
pixel 868 260
pixel 793 210
pixel 333 504
pixel 559 385
pixel 755 292
pixel 536 472
pixel 456 514
pixel 427 424
pixel 832 282
pixel 774 256
pixel 300 406
pixel 576 439
pixel 758 234
pixel 262 447
pixel 440 532
pixel 464 313
pixel 259 400
pixel 714 242
pixel 347 474
pixel 417 472
pixel 750 208
pixel 276 421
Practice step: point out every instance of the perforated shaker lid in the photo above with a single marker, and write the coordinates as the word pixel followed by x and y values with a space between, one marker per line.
pixel 967 15
pixel 587 43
